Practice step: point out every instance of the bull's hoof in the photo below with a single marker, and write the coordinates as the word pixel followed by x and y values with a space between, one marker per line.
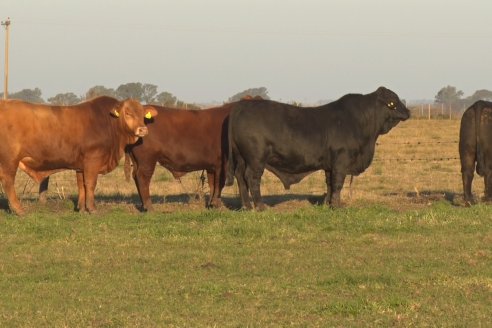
pixel 148 208
pixel 91 210
pixel 42 199
pixel 487 200
pixel 80 209
pixel 19 211
pixel 334 206
pixel 261 207
pixel 469 200
pixel 216 203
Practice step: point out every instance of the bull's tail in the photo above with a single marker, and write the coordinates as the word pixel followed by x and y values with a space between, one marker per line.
pixel 479 155
pixel 128 167
pixel 231 163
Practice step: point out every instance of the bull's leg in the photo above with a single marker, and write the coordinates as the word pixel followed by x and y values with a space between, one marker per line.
pixel 328 187
pixel 253 176
pixel 81 188
pixel 337 180
pixel 488 185
pixel 90 182
pixel 467 177
pixel 242 183
pixel 213 183
pixel 7 178
pixel 43 190
pixel 142 177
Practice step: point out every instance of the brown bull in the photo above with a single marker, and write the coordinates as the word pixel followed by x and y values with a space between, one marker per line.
pixel 89 138
pixel 183 141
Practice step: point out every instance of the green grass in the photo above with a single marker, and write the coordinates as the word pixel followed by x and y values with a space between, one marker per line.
pixel 353 267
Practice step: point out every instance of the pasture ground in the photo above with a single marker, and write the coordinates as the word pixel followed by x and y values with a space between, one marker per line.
pixel 311 267
pixel 403 251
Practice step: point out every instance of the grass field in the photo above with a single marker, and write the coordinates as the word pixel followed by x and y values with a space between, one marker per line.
pixel 311 267
pixel 403 251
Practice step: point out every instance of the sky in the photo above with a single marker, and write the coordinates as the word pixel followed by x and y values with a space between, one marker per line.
pixel 206 51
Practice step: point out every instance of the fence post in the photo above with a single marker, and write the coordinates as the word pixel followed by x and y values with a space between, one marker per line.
pixel 449 111
pixel 429 111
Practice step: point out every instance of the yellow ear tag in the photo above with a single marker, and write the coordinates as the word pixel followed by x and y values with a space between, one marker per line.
pixel 148 115
pixel 115 112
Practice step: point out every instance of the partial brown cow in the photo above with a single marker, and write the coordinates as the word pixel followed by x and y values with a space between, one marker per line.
pixel 89 138
pixel 183 141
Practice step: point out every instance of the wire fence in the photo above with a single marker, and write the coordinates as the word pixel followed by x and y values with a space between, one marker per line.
pixel 436 111
pixel 63 185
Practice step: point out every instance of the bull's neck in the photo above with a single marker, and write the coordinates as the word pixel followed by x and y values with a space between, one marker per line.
pixel 369 118
pixel 120 139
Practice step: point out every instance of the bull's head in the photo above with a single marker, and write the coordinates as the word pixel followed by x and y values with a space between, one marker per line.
pixel 132 114
pixel 394 109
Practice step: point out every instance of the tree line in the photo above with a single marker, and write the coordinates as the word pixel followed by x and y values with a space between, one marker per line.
pixel 453 98
pixel 147 93
pixel 144 92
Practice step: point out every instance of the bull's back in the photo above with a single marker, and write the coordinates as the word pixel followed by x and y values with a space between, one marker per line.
pixel 183 139
pixel 45 135
pixel 285 137
pixel 271 120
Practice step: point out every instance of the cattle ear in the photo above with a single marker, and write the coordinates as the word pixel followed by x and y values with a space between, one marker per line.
pixel 115 112
pixel 384 95
pixel 382 92
pixel 150 112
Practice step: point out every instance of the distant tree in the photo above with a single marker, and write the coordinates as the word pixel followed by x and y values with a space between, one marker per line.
pixel 29 95
pixel 479 95
pixel 165 99
pixel 64 99
pixel 133 90
pixel 262 92
pixel 449 96
pixel 100 90
pixel 149 91
pixel 193 106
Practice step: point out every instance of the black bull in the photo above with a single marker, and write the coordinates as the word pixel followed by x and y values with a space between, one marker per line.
pixel 292 142
pixel 475 147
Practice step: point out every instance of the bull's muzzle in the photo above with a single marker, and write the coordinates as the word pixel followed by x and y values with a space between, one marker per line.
pixel 141 131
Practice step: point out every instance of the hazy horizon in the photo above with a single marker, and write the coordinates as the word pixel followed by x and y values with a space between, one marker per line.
pixel 206 51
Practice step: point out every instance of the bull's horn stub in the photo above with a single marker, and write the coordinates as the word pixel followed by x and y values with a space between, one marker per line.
pixel 148 115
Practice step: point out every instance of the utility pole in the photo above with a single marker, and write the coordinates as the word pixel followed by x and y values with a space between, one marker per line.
pixel 6 76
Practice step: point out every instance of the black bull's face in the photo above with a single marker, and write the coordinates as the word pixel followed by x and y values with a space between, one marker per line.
pixel 133 115
pixel 395 110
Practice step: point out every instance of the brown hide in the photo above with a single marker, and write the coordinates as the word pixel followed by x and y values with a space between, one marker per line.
pixel 183 141
pixel 89 138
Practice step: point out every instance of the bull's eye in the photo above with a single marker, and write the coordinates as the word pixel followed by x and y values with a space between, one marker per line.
pixel 391 105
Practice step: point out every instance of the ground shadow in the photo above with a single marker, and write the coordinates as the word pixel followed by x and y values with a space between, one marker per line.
pixel 234 203
pixel 427 196
pixel 4 205
pixel 229 202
